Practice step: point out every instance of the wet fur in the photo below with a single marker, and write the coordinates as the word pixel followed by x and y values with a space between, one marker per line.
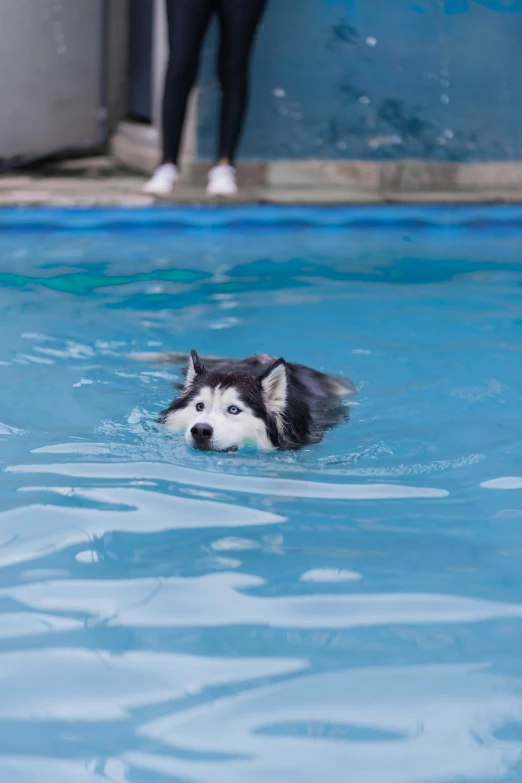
pixel 296 404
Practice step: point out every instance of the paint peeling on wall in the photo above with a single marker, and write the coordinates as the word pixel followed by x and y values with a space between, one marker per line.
pixel 341 79
pixel 501 6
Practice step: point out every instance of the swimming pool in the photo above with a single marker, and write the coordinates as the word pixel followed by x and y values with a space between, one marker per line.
pixel 351 611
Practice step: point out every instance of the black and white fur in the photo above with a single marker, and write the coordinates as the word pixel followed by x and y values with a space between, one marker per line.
pixel 225 404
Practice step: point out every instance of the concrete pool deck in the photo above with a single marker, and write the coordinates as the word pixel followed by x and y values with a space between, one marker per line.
pixel 102 181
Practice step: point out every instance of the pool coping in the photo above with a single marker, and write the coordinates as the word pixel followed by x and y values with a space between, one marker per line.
pixel 101 182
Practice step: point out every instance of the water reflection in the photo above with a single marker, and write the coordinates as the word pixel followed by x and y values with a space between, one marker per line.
pixel 237 483
pixel 394 724
pixel 222 600
pixel 35 530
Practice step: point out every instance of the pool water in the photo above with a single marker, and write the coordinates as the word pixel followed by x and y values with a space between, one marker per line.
pixel 348 612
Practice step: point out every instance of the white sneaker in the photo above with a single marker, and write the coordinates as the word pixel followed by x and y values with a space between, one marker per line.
pixel 222 181
pixel 162 181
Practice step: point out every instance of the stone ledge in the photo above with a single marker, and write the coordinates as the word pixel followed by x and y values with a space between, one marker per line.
pixel 362 175
pixel 137 147
pixel 123 189
pixel 402 176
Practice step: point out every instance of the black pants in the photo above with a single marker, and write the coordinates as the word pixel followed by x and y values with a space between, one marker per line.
pixel 187 24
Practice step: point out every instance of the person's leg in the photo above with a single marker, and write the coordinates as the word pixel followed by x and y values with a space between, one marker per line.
pixel 238 23
pixel 187 23
pixel 238 20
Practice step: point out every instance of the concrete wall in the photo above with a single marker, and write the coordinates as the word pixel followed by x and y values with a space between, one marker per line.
pixel 380 80
pixel 63 74
pixel 51 59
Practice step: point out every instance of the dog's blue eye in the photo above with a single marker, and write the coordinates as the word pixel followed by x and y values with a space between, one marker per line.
pixel 234 410
pixel 200 407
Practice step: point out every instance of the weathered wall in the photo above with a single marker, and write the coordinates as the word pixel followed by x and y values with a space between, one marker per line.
pixel 381 79
pixel 117 62
pixel 51 65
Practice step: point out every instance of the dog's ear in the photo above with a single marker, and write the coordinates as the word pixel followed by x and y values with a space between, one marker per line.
pixel 195 368
pixel 274 384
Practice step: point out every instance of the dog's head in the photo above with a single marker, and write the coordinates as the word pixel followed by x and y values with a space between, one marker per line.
pixel 220 410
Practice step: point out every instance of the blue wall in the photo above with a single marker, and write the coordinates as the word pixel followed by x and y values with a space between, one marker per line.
pixel 380 79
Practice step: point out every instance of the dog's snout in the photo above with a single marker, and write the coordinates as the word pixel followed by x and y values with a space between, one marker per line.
pixel 201 432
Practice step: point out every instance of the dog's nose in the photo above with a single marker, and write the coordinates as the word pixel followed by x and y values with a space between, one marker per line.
pixel 201 432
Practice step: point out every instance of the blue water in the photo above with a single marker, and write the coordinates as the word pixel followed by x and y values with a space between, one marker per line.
pixel 350 612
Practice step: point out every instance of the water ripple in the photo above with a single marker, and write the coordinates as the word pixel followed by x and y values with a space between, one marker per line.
pixel 85 685
pixel 35 530
pixel 252 484
pixel 219 600
pixel 443 717
pixel 507 482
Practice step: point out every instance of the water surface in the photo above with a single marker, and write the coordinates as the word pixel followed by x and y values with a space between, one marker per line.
pixel 356 606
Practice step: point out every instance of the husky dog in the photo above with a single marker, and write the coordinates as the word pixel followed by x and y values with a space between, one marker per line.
pixel 226 404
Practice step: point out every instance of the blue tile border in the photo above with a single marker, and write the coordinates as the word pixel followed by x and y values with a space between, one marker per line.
pixel 260 217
